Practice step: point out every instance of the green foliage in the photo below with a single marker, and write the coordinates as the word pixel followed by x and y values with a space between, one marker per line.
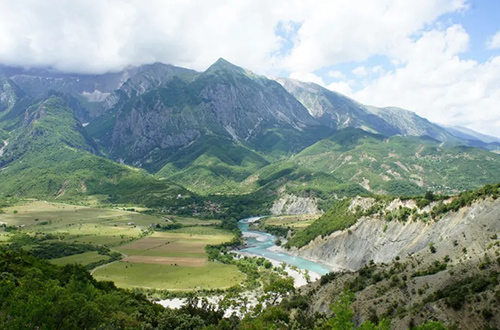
pixel 277 288
pixel 432 247
pixel 338 217
pixel 431 325
pixel 466 198
pixel 47 297
pixel 397 166
pixel 52 157
pixel 434 268
pixel 343 316
pixel 455 295
pixel 276 230
pixel 212 165
pixel 59 249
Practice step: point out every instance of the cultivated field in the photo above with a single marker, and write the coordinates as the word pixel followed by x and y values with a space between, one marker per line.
pixel 81 259
pixel 159 276
pixel 173 259
pixel 293 221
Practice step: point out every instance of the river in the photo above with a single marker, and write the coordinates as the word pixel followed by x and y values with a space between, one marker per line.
pixel 261 244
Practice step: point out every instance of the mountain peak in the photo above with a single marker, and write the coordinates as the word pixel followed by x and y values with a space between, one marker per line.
pixel 224 65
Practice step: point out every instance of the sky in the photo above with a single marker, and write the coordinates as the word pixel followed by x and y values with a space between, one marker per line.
pixel 438 58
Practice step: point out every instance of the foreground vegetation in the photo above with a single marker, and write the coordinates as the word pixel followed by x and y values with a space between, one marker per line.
pixel 38 295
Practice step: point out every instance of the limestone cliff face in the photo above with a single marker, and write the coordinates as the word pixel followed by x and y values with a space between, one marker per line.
pixel 379 240
pixel 291 204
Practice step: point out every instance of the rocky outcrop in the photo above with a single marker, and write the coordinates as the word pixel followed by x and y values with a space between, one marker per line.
pixel 291 204
pixel 372 238
pixel 154 118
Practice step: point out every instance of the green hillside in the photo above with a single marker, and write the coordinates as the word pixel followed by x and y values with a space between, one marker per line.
pixel 354 161
pixel 212 165
pixel 50 156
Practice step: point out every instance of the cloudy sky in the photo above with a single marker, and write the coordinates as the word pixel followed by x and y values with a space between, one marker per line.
pixel 439 58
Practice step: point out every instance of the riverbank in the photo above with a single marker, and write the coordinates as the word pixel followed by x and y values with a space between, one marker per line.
pixel 261 244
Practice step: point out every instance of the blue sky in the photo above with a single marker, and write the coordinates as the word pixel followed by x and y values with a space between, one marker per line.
pixel 438 58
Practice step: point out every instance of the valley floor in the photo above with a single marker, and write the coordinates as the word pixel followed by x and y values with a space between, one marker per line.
pixel 165 260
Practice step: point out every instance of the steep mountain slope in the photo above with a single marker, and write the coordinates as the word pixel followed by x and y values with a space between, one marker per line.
pixel 409 123
pixel 339 111
pixel 90 95
pixel 411 268
pixel 334 109
pixel 468 134
pixel 224 101
pixel 228 130
pixel 51 156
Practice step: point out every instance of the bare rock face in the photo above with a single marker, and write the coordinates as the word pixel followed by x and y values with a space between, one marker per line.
pixel 291 204
pixel 381 241
pixel 155 117
pixel 338 111
pixel 7 95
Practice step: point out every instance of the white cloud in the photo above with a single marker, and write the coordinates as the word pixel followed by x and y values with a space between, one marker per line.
pixel 96 36
pixel 437 84
pixel 377 70
pixel 308 77
pixel 429 75
pixel 342 87
pixel 336 74
pixel 353 30
pixel 360 71
pixel 494 41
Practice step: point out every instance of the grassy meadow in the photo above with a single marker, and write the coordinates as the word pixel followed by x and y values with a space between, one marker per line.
pixel 299 221
pixel 81 259
pixel 174 259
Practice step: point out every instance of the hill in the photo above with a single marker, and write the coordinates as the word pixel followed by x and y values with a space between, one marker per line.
pixel 354 161
pixel 49 155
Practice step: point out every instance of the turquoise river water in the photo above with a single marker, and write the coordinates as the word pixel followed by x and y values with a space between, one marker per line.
pixel 259 243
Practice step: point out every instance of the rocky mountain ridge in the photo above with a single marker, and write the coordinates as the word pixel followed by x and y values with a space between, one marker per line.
pixel 228 129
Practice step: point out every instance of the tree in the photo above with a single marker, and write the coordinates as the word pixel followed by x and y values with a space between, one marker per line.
pixel 431 325
pixel 278 288
pixel 343 315
pixel 429 195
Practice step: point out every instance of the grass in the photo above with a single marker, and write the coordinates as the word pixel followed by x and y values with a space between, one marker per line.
pixel 82 259
pixel 174 260
pixel 294 221
pixel 33 213
pixel 78 224
pixel 158 276
pixel 163 260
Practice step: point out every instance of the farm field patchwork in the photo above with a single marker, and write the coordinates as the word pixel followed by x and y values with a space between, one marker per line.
pixel 174 259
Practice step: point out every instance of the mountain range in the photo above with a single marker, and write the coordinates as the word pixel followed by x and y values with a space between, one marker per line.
pixel 172 131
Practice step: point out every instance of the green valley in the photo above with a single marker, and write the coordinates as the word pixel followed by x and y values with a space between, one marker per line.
pixel 122 192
